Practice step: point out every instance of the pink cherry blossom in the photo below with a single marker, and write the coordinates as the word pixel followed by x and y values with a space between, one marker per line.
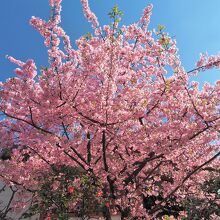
pixel 110 108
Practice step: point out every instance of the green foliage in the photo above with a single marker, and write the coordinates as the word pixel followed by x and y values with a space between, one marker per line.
pixel 6 154
pixel 212 185
pixel 88 36
pixel 163 37
pixel 204 208
pixel 115 13
pixel 200 208
pixel 57 200
pixel 160 28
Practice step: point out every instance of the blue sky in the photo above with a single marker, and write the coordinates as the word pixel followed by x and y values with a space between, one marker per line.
pixel 194 24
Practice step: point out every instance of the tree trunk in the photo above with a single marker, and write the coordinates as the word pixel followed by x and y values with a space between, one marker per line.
pixel 107 214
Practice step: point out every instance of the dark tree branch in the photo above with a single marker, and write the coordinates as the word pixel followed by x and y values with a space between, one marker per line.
pixel 43 158
pixel 104 150
pixel 153 170
pixel 65 131
pixel 79 155
pixel 32 120
pixel 195 108
pixel 7 208
pixel 102 124
pixel 29 123
pixel 89 148
pixel 199 132
pixel 72 157
pixel 18 184
pixel 111 186
pixel 156 208
pixel 202 67
pixel 141 165
pixel 73 149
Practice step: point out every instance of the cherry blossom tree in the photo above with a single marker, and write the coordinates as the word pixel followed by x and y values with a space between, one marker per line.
pixel 108 118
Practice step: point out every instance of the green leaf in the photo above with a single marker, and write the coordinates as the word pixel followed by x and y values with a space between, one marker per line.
pixel 160 27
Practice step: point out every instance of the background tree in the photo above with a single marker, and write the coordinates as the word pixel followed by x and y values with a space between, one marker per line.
pixel 110 109
pixel 206 205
